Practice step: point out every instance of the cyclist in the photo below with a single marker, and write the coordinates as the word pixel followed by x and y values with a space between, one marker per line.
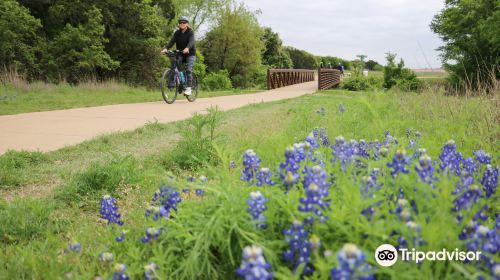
pixel 184 41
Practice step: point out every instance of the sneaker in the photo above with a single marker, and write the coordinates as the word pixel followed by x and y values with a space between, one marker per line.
pixel 188 91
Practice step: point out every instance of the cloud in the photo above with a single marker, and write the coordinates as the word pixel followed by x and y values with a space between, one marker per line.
pixel 347 28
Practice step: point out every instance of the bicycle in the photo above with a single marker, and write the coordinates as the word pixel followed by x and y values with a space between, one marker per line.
pixel 174 82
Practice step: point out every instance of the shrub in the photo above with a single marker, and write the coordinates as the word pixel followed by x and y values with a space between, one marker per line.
pixel 13 166
pixel 359 83
pixel 397 75
pixel 217 81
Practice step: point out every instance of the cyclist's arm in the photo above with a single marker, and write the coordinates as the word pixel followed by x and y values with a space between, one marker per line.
pixel 190 44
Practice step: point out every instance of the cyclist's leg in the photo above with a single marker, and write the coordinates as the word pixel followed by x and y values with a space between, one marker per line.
pixel 190 60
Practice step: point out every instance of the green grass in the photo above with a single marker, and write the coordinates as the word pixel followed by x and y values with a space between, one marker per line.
pixel 203 240
pixel 39 97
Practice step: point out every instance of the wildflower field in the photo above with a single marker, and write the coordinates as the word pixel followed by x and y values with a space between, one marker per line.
pixel 306 188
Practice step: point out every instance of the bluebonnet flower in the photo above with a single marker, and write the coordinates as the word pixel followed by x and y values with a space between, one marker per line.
pixel 369 184
pixel 300 247
pixel 469 165
pixel 485 240
pixel 402 209
pixel 324 138
pixel 495 272
pixel 290 167
pixel 311 140
pixel 399 162
pixel 151 234
pixel 264 176
pixel 343 152
pixel 468 198
pixel 120 272
pixel 465 181
pixel 389 139
pixel 106 258
pixel 109 210
pixel 254 266
pixel 256 207
pixel 150 271
pixel 352 265
pixel 316 190
pixel 490 180
pixel 321 111
pixel 199 192
pixel 75 247
pixel 409 132
pixel 232 164
pixel 121 237
pixel 341 108
pixel 425 170
pixel 251 163
pixel 190 178
pixel 370 210
pixel 482 157
pixel 163 201
pixel 415 233
pixel 203 179
pixel 290 179
pixel 450 158
pixel 362 149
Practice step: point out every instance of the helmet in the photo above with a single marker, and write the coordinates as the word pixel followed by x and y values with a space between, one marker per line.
pixel 183 18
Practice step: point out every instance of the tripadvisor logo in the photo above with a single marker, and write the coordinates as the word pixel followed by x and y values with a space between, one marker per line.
pixel 387 255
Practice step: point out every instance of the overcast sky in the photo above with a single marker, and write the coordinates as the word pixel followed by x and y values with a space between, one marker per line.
pixel 346 28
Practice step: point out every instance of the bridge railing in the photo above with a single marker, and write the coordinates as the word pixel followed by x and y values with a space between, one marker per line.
pixel 328 78
pixel 277 78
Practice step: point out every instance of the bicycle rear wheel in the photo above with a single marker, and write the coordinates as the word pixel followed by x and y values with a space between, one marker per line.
pixel 194 92
pixel 168 86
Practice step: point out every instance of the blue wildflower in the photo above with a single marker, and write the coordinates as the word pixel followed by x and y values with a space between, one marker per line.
pixel 311 140
pixel 316 190
pixel 370 210
pixel 120 272
pixel 151 234
pixel 415 233
pixel 343 152
pixel 256 207
pixel 150 271
pixel 163 202
pixel 467 199
pixel 109 210
pixel 399 162
pixel 402 210
pixel 369 184
pixel 300 247
pixel 469 165
pixel 199 192
pixel 232 164
pixel 190 178
pixel 341 108
pixel 495 272
pixel 251 163
pixel 425 170
pixel 389 139
pixel 203 179
pixel 324 138
pixel 121 237
pixel 254 266
pixel 490 180
pixel 75 247
pixel 352 265
pixel 264 176
pixel 450 158
pixel 482 157
pixel 485 240
pixel 465 181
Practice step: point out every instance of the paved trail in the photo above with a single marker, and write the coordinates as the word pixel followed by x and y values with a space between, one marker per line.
pixel 47 131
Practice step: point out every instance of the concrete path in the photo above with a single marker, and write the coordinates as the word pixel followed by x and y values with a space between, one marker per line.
pixel 47 131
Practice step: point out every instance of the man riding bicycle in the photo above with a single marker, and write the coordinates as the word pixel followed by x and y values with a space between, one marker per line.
pixel 184 42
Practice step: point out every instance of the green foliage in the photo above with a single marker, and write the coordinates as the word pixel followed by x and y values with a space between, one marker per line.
pixel 24 220
pixel 195 148
pixel 372 65
pixel 273 54
pixel 302 59
pixel 361 83
pixel 217 81
pixel 99 179
pixel 200 12
pixel 19 38
pixel 399 76
pixel 234 44
pixel 471 35
pixel 199 68
pixel 13 166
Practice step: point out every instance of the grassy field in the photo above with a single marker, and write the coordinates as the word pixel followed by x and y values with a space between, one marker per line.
pixel 51 201
pixel 39 97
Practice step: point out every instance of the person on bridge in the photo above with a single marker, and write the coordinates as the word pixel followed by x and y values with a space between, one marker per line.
pixel 184 41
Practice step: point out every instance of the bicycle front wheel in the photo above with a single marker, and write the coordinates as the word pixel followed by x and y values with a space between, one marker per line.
pixel 168 86
pixel 194 92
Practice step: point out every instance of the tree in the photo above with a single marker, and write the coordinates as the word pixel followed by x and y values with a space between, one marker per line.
pixel 302 59
pixel 273 54
pixel 371 64
pixel 397 75
pixel 200 12
pixel 18 30
pixel 471 35
pixel 234 44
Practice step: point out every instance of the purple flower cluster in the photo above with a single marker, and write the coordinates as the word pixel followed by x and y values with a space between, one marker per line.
pixel 290 167
pixel 490 180
pixel 343 152
pixel 352 265
pixel 450 158
pixel 256 207
pixel 150 271
pixel 151 234
pixel 425 170
pixel 120 272
pixel 109 210
pixel 399 163
pixel 316 190
pixel 300 247
pixel 467 198
pixel 253 265
pixel 251 163
pixel 264 176
pixel 369 184
pixel 164 201
pixel 482 157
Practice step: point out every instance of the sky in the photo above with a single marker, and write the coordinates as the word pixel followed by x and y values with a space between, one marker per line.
pixel 346 28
